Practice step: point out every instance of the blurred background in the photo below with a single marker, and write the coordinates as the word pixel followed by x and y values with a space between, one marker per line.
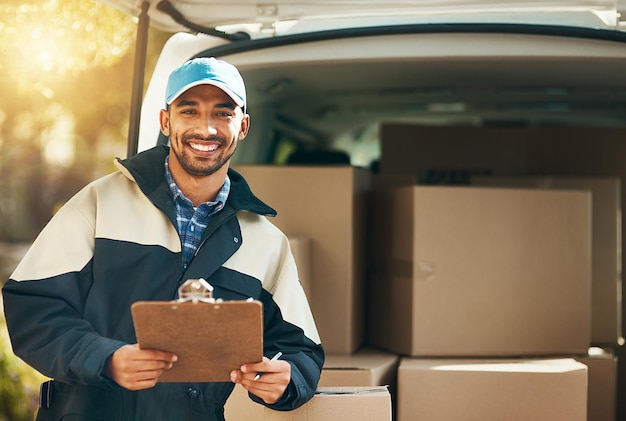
pixel 65 81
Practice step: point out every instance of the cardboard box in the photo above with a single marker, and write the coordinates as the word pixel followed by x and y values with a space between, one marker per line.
pixel 301 250
pixel 328 206
pixel 606 282
pixel 470 271
pixel 602 384
pixel 499 389
pixel 329 403
pixel 366 367
pixel 450 155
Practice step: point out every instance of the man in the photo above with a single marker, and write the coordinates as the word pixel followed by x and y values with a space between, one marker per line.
pixel 168 215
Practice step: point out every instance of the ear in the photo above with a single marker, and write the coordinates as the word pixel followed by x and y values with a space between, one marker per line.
pixel 245 125
pixel 164 121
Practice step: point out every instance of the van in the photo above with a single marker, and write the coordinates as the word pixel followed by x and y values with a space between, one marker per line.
pixel 466 88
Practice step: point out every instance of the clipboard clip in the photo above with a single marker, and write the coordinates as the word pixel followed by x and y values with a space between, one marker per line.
pixel 196 290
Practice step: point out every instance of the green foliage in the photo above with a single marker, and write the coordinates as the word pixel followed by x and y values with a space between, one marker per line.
pixel 19 384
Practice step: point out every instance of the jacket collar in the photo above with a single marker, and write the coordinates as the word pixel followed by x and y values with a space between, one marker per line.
pixel 147 169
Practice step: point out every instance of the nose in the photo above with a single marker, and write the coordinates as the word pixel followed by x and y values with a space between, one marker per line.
pixel 207 126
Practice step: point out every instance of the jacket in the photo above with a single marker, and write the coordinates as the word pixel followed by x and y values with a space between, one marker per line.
pixel 67 304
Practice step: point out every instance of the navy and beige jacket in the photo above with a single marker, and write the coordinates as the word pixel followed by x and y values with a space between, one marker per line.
pixel 67 304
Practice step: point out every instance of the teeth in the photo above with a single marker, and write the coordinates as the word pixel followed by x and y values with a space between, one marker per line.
pixel 204 147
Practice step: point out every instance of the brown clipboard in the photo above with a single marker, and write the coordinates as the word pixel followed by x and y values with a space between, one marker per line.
pixel 210 339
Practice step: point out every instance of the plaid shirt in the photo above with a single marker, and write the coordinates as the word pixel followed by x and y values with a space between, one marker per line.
pixel 193 221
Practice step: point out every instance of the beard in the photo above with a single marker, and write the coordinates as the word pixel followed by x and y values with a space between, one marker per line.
pixel 198 166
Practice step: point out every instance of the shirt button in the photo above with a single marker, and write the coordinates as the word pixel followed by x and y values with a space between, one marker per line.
pixel 236 240
pixel 193 393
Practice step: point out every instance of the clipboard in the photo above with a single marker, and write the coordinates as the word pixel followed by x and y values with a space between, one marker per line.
pixel 211 337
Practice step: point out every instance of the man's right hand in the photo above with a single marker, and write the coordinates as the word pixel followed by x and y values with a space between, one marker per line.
pixel 137 369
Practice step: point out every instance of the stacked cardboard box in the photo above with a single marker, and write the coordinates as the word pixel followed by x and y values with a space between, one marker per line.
pixel 480 389
pixel 578 158
pixel 461 273
pixel 469 271
pixel 455 155
pixel 606 327
pixel 329 403
pixel 366 367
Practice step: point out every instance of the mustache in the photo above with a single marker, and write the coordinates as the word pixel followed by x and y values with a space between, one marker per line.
pixel 197 137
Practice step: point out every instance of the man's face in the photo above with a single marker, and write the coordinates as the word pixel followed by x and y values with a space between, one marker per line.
pixel 204 126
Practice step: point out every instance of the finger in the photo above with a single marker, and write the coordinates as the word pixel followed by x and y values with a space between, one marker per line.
pixel 154 354
pixel 150 365
pixel 266 368
pixel 139 380
pixel 236 376
pixel 140 384
pixel 255 367
pixel 127 364
pixel 133 352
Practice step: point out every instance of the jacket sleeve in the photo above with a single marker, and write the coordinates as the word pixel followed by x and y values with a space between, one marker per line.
pixel 290 328
pixel 305 356
pixel 44 300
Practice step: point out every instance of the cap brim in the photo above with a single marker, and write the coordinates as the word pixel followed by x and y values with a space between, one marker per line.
pixel 222 86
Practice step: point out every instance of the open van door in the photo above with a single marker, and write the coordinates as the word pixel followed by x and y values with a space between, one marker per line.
pixel 205 24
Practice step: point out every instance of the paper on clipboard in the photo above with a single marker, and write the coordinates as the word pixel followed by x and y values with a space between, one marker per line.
pixel 210 338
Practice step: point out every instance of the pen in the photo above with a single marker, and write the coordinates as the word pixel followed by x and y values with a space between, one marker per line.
pixel 274 358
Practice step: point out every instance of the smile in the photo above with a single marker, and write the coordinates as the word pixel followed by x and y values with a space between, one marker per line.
pixel 204 147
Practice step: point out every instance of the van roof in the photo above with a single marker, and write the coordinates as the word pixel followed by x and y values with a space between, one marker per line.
pixel 289 16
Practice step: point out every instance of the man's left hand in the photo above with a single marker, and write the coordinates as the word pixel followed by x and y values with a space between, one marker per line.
pixel 271 385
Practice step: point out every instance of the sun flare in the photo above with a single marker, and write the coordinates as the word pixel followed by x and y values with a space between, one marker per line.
pixel 51 39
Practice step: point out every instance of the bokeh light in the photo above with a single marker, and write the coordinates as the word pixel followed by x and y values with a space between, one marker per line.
pixel 48 40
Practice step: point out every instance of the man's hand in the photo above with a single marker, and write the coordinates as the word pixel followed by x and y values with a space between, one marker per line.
pixel 137 369
pixel 271 385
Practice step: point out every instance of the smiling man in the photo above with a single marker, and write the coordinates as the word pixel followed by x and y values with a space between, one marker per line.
pixel 169 214
pixel 204 121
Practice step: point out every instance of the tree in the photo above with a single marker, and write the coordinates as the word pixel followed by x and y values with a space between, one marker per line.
pixel 65 75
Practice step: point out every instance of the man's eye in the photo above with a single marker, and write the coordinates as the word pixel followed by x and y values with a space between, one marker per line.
pixel 188 111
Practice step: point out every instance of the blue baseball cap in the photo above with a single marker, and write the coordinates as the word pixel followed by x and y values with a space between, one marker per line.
pixel 209 71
